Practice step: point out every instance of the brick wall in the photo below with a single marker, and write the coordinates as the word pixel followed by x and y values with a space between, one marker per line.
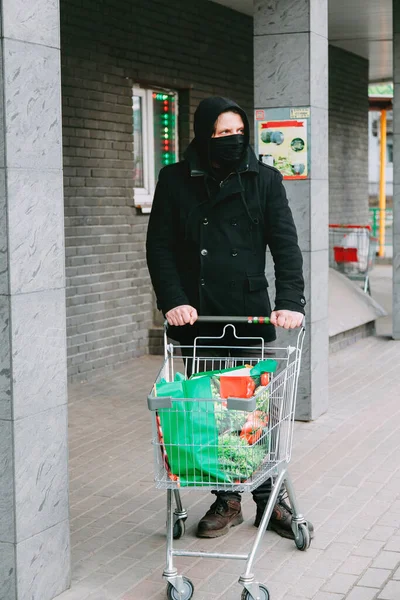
pixel 348 137
pixel 199 49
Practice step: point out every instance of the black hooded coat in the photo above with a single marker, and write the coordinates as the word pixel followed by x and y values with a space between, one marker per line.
pixel 207 238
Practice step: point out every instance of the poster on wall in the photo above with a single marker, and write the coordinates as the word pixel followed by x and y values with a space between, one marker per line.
pixel 283 140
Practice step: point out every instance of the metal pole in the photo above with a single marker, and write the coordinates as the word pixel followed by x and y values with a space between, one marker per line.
pixel 382 185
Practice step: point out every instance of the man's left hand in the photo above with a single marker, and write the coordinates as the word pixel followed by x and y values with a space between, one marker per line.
pixel 288 319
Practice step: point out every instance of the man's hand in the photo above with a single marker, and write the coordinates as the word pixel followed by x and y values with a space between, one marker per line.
pixel 288 319
pixel 182 315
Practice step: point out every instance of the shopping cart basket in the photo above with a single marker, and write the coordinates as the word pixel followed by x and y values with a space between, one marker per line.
pixel 352 251
pixel 224 443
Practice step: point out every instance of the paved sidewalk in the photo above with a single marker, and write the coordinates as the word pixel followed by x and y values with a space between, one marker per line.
pixel 346 469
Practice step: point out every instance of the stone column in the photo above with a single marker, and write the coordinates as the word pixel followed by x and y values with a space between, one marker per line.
pixel 34 531
pixel 396 170
pixel 291 70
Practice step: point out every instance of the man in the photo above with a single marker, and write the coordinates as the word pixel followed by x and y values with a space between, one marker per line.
pixel 213 215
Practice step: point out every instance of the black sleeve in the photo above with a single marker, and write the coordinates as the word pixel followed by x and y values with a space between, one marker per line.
pixel 282 241
pixel 161 249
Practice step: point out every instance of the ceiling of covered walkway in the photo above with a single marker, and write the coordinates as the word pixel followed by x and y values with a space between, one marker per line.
pixel 363 27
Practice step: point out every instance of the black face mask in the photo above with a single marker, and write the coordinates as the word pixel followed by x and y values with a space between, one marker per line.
pixel 227 151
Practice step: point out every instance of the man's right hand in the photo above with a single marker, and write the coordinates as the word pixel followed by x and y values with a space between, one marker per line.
pixel 182 315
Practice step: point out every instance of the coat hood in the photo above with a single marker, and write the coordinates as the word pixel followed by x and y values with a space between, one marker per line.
pixel 205 117
pixel 208 112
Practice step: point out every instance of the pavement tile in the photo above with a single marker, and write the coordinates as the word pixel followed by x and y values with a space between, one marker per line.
pixel 327 596
pixel 368 548
pixel 217 583
pixel 355 565
pixel 340 583
pixel 391 591
pixel 338 550
pixel 352 535
pixel 397 574
pixel 386 560
pixel 361 593
pixel 306 586
pixel 143 591
pixel 77 592
pixel 118 565
pixel 323 567
pixel 374 578
pixel 380 533
pixel 391 519
pixel 125 581
pixel 393 545
pixel 199 596
pixel 99 595
pixel 232 593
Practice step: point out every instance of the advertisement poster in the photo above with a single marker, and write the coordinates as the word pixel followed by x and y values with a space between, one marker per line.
pixel 283 140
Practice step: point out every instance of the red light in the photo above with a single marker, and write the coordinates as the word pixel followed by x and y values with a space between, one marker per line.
pixel 165 108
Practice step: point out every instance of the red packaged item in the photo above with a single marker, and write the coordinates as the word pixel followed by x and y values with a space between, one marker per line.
pixel 237 386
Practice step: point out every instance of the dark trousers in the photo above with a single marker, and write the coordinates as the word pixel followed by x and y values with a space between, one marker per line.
pixel 210 358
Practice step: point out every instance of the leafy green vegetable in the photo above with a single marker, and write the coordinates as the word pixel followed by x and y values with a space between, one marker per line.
pixel 262 401
pixel 237 459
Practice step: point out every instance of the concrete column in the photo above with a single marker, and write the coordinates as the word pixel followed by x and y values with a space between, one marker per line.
pixel 34 531
pixel 291 70
pixel 396 170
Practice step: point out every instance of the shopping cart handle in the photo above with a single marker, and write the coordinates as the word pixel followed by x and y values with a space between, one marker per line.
pixel 227 319
pixel 157 402
pixel 248 320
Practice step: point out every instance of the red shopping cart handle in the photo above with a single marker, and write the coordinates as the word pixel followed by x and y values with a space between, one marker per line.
pixel 349 226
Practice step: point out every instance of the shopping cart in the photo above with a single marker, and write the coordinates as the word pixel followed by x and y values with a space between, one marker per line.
pixel 352 251
pixel 207 442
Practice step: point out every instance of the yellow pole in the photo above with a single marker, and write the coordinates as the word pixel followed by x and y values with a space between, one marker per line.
pixel 382 186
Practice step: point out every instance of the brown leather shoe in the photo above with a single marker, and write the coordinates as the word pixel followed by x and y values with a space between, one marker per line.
pixel 221 515
pixel 281 520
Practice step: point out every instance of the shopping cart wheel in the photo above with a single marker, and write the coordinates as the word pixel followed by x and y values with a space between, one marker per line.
pixel 264 594
pixel 303 541
pixel 187 592
pixel 179 528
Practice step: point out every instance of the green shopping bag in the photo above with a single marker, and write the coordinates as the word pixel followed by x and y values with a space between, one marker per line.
pixel 216 372
pixel 190 434
pixel 264 366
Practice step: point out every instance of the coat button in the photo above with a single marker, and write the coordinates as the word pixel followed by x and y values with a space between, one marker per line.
pixel 232 284
pixel 234 222
pixel 202 282
pixel 234 252
pixel 205 221
pixel 303 301
pixel 204 252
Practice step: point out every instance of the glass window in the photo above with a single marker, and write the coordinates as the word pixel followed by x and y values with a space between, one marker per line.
pixel 155 140
pixel 138 172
